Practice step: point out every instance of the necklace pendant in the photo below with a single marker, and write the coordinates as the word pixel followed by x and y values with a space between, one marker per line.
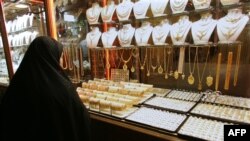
pixel 148 74
pixel 171 73
pixel 183 76
pixel 176 74
pixel 191 79
pixel 209 81
pixel 166 76
pixel 132 69
pixel 142 68
pixel 125 67
pixel 160 70
pixel 200 86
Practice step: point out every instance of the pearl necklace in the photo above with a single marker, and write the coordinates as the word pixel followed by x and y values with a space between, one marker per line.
pixel 178 6
pixel 158 7
pixel 93 14
pixel 123 10
pixel 107 12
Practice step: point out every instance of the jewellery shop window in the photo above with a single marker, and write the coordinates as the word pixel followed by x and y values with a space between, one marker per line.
pixel 24 22
pixel 72 29
pixel 178 44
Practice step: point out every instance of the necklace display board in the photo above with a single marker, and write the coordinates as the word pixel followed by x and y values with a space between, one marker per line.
pixel 108 11
pixel 109 37
pixel 124 9
pixel 178 6
pixel 125 35
pixel 230 26
pixel 158 7
pixel 179 30
pixel 143 34
pixel 93 13
pixel 203 29
pixel 160 32
pixel 201 4
pixel 93 37
pixel 140 8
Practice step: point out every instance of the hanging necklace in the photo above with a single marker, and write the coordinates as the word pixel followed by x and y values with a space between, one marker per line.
pixel 191 72
pixel 142 65
pixel 148 64
pixel 160 69
pixel 136 56
pixel 200 78
pixel 125 67
pixel 107 60
pixel 70 63
pixel 166 66
pixel 120 57
pixel 81 62
pixel 237 65
pixel 151 59
pixel 65 59
pixel 209 79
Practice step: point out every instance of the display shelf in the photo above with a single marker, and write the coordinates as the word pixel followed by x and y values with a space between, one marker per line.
pixel 238 5
pixel 160 119
pixel 159 91
pixel 226 100
pixel 185 95
pixel 173 105
pixel 201 128
pixel 32 28
pixel 222 113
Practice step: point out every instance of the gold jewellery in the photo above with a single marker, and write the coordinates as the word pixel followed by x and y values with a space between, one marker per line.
pixel 236 72
pixel 191 72
pixel 65 59
pixel 160 69
pixel 217 79
pixel 151 59
pixel 200 78
pixel 142 65
pixel 125 61
pixel 228 70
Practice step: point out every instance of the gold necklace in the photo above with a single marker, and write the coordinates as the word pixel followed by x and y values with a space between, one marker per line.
pixel 120 57
pixel 81 62
pixel 217 79
pixel 142 65
pixel 65 59
pixel 200 78
pixel 148 67
pixel 152 66
pixel 236 72
pixel 209 79
pixel 176 73
pixel 125 67
pixel 107 60
pixel 160 69
pixel 228 70
pixel 166 66
pixel 70 63
pixel 135 55
pixel 191 79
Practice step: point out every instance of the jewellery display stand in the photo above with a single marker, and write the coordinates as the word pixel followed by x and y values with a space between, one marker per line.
pixel 181 51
